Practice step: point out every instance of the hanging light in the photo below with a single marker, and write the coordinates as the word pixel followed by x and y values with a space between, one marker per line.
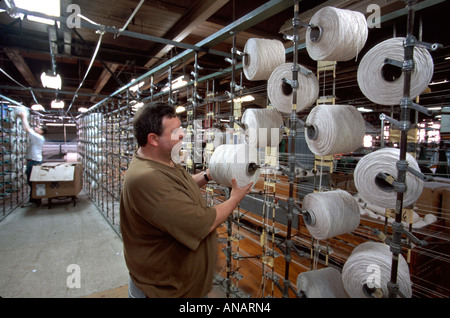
pixel 48 7
pixel 180 109
pixel 57 104
pixel 37 107
pixel 51 80
pixel 136 87
pixel 177 83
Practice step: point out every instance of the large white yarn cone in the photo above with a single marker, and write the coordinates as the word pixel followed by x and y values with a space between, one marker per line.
pixel 333 129
pixel 321 283
pixel 280 93
pixel 372 190
pixel 335 213
pixel 234 161
pixel 344 34
pixel 385 91
pixel 370 264
pixel 262 57
pixel 263 127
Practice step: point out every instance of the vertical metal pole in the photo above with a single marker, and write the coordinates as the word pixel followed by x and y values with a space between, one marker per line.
pixel 397 227
pixel 291 144
pixel 229 219
pixel 169 77
pixel 194 112
pixel 152 85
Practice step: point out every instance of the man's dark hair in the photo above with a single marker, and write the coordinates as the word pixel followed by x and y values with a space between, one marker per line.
pixel 44 128
pixel 148 119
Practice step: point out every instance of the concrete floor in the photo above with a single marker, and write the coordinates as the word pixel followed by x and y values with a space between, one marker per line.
pixel 37 245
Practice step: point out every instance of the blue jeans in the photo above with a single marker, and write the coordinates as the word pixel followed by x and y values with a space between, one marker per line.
pixel 134 291
pixel 30 164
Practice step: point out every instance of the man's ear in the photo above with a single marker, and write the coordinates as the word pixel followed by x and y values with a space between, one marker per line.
pixel 153 139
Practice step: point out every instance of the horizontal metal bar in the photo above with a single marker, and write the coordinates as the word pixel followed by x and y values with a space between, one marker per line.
pixel 48 90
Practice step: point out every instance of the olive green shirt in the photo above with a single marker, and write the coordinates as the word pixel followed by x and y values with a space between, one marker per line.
pixel 164 223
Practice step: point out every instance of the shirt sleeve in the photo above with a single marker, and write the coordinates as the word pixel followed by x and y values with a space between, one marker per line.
pixel 173 210
pixel 34 136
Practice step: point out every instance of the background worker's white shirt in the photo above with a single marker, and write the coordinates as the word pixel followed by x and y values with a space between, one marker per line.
pixel 35 144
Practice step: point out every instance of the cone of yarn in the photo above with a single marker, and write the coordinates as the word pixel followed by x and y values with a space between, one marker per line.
pixel 262 57
pixel 378 192
pixel 280 93
pixel 262 127
pixel 235 161
pixel 344 34
pixel 336 212
pixel 332 129
pixel 386 88
pixel 321 283
pixel 370 264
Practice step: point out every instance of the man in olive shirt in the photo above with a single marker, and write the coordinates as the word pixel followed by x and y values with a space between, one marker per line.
pixel 168 232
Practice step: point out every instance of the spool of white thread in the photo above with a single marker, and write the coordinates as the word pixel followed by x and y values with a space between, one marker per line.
pixel 321 283
pixel 343 33
pixel 430 218
pixel 262 127
pixel 18 110
pixel 262 57
pixel 376 191
pixel 379 86
pixel 370 264
pixel 332 129
pixel 334 212
pixel 280 93
pixel 238 161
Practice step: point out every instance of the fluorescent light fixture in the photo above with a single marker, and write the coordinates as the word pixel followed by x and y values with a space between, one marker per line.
pixel 364 110
pixel 37 107
pixel 82 109
pixel 180 109
pixel 447 58
pixel 135 105
pixel 134 88
pixel 434 108
pixel 60 124
pixel 177 83
pixel 57 104
pixel 246 98
pixel 51 81
pixel 441 82
pixel 48 7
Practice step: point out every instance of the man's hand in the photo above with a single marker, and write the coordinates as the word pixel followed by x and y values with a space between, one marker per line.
pixel 239 193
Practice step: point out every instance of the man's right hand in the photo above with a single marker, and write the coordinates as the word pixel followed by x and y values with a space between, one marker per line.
pixel 238 193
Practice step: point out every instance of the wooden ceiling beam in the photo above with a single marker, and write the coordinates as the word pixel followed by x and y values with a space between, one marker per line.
pixel 199 13
pixel 104 78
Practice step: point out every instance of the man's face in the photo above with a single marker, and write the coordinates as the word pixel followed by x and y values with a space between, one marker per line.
pixel 39 130
pixel 172 135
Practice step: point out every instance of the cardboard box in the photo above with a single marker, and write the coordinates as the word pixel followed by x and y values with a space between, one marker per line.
pixel 430 201
pixel 56 179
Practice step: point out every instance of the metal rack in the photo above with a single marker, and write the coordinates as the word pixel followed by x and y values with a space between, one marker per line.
pixel 13 185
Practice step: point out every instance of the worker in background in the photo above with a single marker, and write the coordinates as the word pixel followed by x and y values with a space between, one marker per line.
pixel 36 141
pixel 169 237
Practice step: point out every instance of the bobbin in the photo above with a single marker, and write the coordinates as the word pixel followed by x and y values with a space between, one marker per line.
pixel 252 167
pixel 309 217
pixel 312 131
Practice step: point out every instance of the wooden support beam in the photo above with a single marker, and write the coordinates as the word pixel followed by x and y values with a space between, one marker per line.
pixel 104 78
pixel 21 65
pixel 199 13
